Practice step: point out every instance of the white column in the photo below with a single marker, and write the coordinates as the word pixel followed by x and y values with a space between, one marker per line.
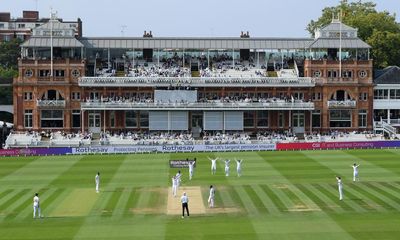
pixel 158 57
pixel 104 122
pixel 233 58
pixel 108 58
pixel 208 58
pixel 311 122
pixel 183 58
pixel 83 120
pixel 388 116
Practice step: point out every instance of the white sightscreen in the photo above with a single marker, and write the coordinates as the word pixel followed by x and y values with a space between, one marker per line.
pixel 233 120
pixel 158 120
pixel 168 120
pixel 179 120
pixel 213 120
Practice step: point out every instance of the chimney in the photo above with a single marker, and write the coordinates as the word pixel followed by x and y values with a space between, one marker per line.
pixel 5 16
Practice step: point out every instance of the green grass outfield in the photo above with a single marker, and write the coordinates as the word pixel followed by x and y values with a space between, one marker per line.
pixel 281 195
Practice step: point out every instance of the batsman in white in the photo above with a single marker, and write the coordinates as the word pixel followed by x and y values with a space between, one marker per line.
pixel 36 205
pixel 211 197
pixel 97 181
pixel 239 167
pixel 355 172
pixel 213 165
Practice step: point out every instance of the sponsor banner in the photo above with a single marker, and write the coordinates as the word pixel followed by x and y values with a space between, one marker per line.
pixel 181 163
pixel 337 145
pixel 34 151
pixel 174 148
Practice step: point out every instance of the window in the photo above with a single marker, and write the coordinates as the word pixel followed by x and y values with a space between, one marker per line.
pixel 21 25
pixel 298 96
pixel 28 73
pixel 340 118
pixel 112 119
pixel 76 96
pixel 6 38
pixel 59 73
pixel 144 119
pixel 28 116
pixel 21 37
pixel 317 96
pixel 76 118
pixel 362 118
pixel 363 96
pixel 44 73
pixel 1 25
pixel 381 94
pixel 52 119
pixel 248 119
pixel 28 96
pixel 130 119
pixel 347 74
pixel 298 119
pixel 262 119
pixel 281 119
pixel 332 74
pixel 394 93
pixel 316 118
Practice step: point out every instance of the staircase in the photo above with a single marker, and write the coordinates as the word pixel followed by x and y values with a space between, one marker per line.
pixel 384 127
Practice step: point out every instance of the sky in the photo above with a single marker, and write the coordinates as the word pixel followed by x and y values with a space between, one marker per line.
pixel 187 18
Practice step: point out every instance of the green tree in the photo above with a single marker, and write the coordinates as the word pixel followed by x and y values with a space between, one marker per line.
pixel 9 54
pixel 373 27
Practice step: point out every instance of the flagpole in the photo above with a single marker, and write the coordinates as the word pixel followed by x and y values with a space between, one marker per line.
pixel 51 42
pixel 340 45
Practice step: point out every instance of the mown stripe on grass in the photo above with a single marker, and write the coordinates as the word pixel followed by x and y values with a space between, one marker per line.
pixel 246 199
pixel 268 203
pixel 383 192
pixel 356 200
pixel 315 198
pixel 5 205
pixel 111 203
pixel 235 196
pixel 325 189
pixel 372 197
pixel 120 207
pixel 274 198
pixel 5 193
pixel 255 199
pixel 383 189
pixel 21 204
pixel 298 203
pixel 132 201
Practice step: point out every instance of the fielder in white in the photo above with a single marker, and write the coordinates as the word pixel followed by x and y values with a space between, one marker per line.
pixel 174 186
pixel 178 178
pixel 213 165
pixel 191 168
pixel 227 161
pixel 355 172
pixel 211 197
pixel 36 205
pixel 97 181
pixel 340 187
pixel 239 167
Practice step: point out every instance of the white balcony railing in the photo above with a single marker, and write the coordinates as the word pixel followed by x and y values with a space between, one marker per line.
pixel 196 81
pixel 50 103
pixel 276 105
pixel 342 104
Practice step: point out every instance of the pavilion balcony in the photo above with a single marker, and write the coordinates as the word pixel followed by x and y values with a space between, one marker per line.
pixel 342 104
pixel 196 81
pixel 245 106
pixel 50 103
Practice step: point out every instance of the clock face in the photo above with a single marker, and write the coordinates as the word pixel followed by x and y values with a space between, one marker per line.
pixel 362 74
pixel 75 73
pixel 29 73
